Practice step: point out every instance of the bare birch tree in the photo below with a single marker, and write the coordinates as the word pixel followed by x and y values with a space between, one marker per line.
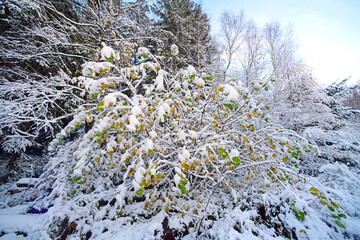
pixel 233 30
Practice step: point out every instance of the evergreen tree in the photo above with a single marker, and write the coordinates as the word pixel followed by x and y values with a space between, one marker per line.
pixel 183 23
pixel 37 54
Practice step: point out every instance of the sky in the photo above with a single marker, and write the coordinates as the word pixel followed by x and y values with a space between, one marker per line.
pixel 327 31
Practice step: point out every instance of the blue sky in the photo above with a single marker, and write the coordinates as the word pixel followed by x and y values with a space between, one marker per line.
pixel 327 31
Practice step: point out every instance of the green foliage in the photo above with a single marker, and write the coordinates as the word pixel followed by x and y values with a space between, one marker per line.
pixel 299 214
pixel 76 178
pixel 230 106
pixel 236 161
pixel 224 154
pixel 331 206
pixel 182 187
pixel 140 192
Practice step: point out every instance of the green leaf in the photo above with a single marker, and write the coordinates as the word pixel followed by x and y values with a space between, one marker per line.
pixel 335 205
pixel 182 187
pixel 324 203
pixel 192 77
pixel 340 224
pixel 144 55
pixel 331 208
pixel 342 216
pixel 210 78
pixel 110 58
pixel 178 90
pixel 299 214
pixel 236 161
pixel 76 179
pixel 73 192
pixel 100 106
pixel 99 134
pixel 140 192
pixel 222 153
pixel 228 105
pixel 267 107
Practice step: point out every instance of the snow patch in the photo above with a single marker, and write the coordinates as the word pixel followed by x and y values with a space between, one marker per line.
pixel 232 93
pixel 107 53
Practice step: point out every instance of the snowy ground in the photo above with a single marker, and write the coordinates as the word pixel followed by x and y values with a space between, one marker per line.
pixel 15 223
pixel 337 180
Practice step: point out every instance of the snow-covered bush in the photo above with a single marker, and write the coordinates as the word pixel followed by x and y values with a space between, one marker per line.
pixel 188 146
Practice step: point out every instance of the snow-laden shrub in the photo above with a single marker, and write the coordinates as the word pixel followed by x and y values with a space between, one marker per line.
pixel 186 147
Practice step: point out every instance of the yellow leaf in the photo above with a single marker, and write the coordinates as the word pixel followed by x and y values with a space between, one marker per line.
pixel 254 112
pixel 185 166
pixel 131 172
pixel 248 115
pixel 245 139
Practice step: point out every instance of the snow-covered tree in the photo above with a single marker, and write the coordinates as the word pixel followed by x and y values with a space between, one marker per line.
pixel 188 142
pixel 43 44
pixel 251 56
pixel 183 23
pixel 280 46
pixel 300 102
pixel 232 35
pixel 36 60
pixel 338 142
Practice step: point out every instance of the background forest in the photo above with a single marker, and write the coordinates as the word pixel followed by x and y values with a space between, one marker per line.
pixel 129 120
